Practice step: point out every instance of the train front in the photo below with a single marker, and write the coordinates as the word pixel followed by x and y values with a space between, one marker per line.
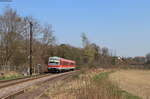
pixel 54 64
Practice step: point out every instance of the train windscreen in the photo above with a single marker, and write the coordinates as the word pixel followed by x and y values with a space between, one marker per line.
pixel 53 63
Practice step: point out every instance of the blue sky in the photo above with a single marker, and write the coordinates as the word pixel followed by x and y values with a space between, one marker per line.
pixel 121 25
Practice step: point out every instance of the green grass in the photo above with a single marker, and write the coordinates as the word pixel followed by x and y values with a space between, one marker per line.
pixel 127 95
pixel 11 77
pixel 102 75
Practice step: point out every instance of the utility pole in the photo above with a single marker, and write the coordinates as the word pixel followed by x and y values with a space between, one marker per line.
pixel 31 34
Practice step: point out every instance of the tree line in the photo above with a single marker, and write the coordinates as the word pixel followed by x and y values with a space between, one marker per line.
pixel 14 45
pixel 14 40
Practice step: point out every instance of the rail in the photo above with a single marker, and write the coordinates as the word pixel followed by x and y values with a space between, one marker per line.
pixel 21 91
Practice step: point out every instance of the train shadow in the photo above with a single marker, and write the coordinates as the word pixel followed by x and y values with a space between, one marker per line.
pixel 58 71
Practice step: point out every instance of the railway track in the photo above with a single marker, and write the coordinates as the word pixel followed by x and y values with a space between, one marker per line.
pixel 45 81
pixel 39 91
pixel 6 83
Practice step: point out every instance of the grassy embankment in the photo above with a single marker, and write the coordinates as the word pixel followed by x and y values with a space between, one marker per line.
pixel 87 85
pixel 10 75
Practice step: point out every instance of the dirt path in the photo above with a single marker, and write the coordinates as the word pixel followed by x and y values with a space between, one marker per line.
pixel 136 82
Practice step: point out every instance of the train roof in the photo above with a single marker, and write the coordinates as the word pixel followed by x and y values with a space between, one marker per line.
pixel 55 57
pixel 63 59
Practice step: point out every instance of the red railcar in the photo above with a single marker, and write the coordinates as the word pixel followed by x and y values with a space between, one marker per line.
pixel 60 64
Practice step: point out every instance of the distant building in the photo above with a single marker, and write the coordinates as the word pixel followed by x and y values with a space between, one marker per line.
pixel 119 57
pixel 140 59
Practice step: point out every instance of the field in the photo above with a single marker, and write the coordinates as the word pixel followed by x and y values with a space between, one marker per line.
pixel 136 82
pixel 99 84
pixel 89 84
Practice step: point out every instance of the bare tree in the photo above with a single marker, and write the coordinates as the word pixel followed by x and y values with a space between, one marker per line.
pixel 148 58
pixel 10 24
pixel 105 51
pixel 85 40
pixel 47 35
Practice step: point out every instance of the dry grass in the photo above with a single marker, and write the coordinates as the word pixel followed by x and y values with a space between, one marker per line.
pixel 91 84
pixel 33 87
pixel 136 82
pixel 9 75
